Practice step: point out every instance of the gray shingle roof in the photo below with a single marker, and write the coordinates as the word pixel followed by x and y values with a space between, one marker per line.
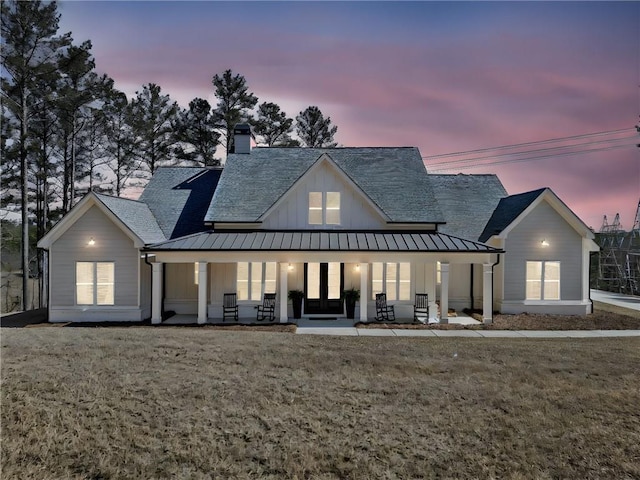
pixel 507 211
pixel 179 197
pixel 394 179
pixel 265 240
pixel 467 202
pixel 135 215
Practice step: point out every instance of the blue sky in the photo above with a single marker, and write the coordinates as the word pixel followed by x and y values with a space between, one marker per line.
pixel 445 77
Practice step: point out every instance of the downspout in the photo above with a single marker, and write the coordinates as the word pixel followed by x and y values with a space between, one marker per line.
pixel 146 260
pixel 471 288
pixel 591 254
pixel 492 282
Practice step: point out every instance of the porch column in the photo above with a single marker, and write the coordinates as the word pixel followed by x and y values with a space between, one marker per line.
pixel 487 292
pixel 156 292
pixel 364 297
pixel 284 292
pixel 444 293
pixel 202 292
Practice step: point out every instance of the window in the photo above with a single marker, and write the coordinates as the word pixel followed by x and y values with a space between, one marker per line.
pixel 324 208
pixel 394 279
pixel 543 280
pixel 255 279
pixel 95 283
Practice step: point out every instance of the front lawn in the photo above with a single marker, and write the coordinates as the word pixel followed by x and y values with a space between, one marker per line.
pixel 115 403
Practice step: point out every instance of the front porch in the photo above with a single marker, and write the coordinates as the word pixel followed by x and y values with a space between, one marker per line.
pixel 305 322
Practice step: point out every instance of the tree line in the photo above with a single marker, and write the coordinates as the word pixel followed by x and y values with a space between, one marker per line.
pixel 66 130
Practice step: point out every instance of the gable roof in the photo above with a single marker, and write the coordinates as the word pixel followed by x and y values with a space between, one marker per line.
pixel 179 197
pixel 507 211
pixel 132 217
pixel 394 179
pixel 136 216
pixel 467 202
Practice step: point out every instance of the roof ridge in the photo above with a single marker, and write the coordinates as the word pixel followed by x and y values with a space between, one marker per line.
pixel 119 198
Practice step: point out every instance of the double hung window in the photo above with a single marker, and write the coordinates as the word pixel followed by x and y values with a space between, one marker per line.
pixel 324 208
pixel 543 280
pixel 254 279
pixel 95 283
pixel 394 279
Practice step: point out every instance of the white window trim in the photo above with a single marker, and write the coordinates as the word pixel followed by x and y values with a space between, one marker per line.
pixel 95 285
pixel 263 281
pixel 543 300
pixel 397 281
pixel 324 209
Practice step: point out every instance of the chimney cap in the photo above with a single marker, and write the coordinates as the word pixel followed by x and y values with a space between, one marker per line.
pixel 242 129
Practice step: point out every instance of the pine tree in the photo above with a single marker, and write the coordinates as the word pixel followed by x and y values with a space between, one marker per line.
pixel 314 130
pixel 273 126
pixel 29 48
pixel 234 103
pixel 153 116
pixel 196 135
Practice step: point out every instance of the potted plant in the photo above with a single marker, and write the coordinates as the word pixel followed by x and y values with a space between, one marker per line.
pixel 351 296
pixel 296 297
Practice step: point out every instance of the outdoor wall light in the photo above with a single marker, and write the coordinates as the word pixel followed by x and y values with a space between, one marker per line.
pixel 290 267
pixel 357 269
pixel 544 242
pixel 91 242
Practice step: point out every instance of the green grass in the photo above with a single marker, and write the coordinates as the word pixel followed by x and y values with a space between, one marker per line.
pixel 202 403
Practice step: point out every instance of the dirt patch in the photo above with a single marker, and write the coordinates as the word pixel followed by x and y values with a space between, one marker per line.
pixel 605 317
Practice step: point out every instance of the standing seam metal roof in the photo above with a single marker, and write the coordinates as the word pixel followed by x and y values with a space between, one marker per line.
pixel 324 241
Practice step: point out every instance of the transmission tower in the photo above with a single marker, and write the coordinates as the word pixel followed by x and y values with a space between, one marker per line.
pixel 610 267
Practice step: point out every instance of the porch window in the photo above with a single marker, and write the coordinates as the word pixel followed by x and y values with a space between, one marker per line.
pixel 543 280
pixel 95 283
pixel 324 208
pixel 254 279
pixel 394 279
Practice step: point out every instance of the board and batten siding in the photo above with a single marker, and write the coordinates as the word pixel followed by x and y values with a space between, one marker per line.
pixel 523 244
pixel 293 211
pixel 111 245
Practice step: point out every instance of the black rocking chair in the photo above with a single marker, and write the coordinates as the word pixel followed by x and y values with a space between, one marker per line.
pixel 421 308
pixel 267 311
pixel 230 306
pixel 384 312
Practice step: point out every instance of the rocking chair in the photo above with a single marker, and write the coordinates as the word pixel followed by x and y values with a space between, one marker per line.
pixel 421 308
pixel 384 312
pixel 267 311
pixel 230 306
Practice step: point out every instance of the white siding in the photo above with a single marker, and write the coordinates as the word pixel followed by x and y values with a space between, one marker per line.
pixel 111 245
pixel 355 210
pixel 524 243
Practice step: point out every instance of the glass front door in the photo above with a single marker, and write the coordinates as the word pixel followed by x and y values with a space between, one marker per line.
pixel 323 283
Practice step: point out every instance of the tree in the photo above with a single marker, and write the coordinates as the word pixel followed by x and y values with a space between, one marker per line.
pixel 314 130
pixel 118 138
pixel 234 103
pixel 273 126
pixel 152 117
pixel 79 88
pixel 196 135
pixel 29 50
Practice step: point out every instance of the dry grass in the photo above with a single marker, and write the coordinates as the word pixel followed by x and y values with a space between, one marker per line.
pixel 204 403
pixel 604 317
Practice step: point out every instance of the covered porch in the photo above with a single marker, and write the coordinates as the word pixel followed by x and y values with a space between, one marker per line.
pixel 190 275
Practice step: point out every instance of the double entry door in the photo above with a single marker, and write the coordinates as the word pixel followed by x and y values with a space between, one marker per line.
pixel 323 284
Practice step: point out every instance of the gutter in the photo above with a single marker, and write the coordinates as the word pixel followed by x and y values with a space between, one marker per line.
pixel 492 282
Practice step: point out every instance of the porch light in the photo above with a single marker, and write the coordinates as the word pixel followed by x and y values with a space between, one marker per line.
pixel 544 243
pixel 91 242
pixel 290 267
pixel 357 267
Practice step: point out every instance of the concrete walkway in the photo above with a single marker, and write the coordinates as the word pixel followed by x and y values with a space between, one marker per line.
pixel 618 299
pixel 398 332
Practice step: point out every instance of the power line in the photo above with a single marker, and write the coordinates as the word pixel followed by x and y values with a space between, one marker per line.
pixel 527 152
pixel 518 160
pixel 538 142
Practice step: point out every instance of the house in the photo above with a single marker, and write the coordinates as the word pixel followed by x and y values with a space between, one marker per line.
pixel 321 221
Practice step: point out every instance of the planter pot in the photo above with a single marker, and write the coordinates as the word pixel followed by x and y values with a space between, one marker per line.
pixel 297 307
pixel 351 307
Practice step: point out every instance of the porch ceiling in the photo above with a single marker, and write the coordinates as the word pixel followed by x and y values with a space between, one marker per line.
pixel 323 241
